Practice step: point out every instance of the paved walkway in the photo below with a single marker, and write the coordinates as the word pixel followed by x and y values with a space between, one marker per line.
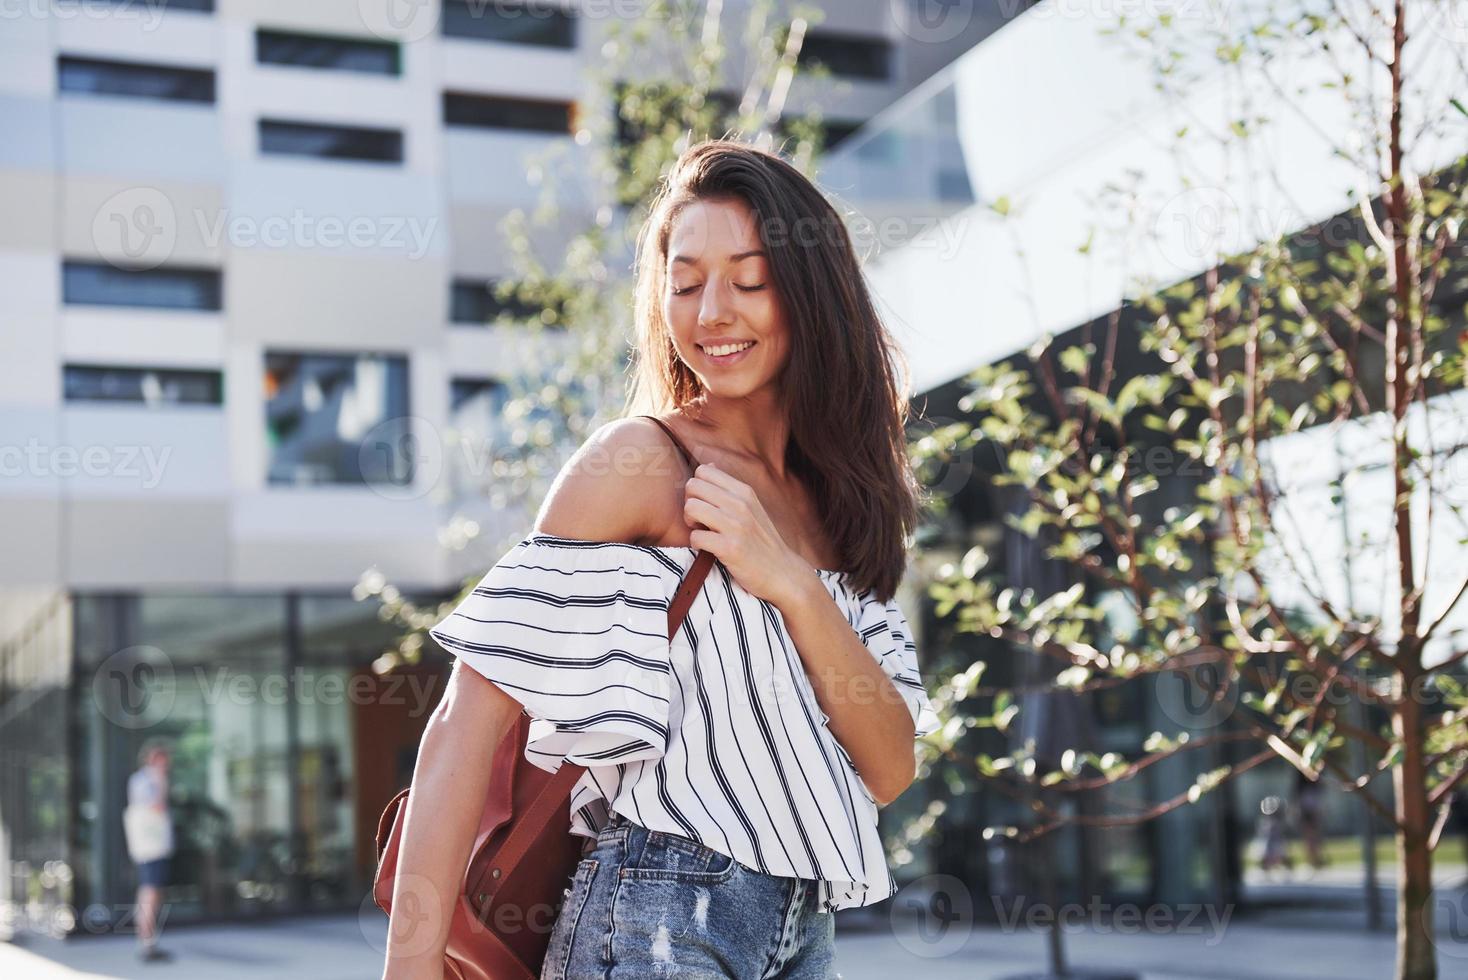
pixel 346 948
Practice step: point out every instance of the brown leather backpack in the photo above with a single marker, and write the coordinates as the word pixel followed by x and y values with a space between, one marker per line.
pixel 524 852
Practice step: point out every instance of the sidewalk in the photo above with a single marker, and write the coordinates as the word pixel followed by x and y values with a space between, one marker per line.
pixel 346 948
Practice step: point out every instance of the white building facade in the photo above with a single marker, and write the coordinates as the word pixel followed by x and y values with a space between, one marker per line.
pixel 245 255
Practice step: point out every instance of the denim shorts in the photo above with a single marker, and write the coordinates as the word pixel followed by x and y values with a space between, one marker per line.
pixel 153 872
pixel 645 904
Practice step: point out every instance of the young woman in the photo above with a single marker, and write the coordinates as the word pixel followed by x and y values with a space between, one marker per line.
pixel 731 804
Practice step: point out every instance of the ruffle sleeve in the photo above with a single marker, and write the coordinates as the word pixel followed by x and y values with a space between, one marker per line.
pixel 577 632
pixel 885 631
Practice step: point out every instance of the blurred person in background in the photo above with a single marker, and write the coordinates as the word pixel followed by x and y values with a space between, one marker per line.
pixel 149 829
pixel 1269 835
pixel 1460 817
pixel 1310 810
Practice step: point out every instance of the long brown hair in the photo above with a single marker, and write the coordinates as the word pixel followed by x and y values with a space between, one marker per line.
pixel 839 391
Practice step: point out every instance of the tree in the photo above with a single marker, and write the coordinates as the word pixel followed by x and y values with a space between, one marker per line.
pixel 1349 328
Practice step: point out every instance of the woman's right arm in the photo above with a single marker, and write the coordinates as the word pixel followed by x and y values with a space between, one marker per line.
pixel 450 783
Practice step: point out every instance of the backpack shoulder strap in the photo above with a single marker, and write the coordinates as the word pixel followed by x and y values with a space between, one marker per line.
pixel 687 456
pixel 693 579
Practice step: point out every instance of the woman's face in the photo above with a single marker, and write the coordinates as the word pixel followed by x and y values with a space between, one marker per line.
pixel 719 295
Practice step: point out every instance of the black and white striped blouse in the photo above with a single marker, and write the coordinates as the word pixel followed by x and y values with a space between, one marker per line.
pixel 717 736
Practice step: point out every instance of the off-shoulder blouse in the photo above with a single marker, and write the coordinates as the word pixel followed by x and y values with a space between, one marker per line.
pixel 716 736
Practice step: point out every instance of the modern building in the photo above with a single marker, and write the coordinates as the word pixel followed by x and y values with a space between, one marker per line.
pixel 991 214
pixel 247 253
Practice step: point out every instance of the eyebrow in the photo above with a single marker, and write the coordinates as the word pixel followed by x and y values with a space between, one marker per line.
pixel 733 258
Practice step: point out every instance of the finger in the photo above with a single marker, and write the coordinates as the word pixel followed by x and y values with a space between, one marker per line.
pixel 737 488
pixel 715 475
pixel 703 540
pixel 702 512
pixel 715 493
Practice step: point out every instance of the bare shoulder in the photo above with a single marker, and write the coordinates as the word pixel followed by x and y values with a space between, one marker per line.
pixel 622 484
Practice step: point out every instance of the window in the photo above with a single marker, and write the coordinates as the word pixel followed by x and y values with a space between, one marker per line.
pixel 464 391
pixel 497 112
pixel 849 55
pixel 533 23
pixel 96 76
pixel 197 6
pixel 320 51
pixel 331 142
pixel 153 387
pixel 167 287
pixel 833 131
pixel 953 185
pixel 474 301
pixel 477 419
pixel 839 130
pixel 338 418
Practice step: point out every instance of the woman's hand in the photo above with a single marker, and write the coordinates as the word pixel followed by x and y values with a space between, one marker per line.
pixel 729 520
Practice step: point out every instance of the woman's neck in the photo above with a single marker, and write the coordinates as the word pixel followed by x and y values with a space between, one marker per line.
pixel 752 428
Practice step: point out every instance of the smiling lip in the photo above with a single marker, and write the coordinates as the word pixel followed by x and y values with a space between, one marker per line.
pixel 727 358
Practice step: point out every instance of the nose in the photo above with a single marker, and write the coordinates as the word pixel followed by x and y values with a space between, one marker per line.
pixel 716 304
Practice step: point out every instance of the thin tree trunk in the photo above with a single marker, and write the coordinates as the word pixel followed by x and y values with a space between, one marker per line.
pixel 1416 954
pixel 1416 957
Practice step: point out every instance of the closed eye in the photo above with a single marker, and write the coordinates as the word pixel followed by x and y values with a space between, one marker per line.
pixel 742 288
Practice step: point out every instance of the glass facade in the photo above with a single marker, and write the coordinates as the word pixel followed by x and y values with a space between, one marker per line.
pixel 35 822
pixel 1188 856
pixel 269 701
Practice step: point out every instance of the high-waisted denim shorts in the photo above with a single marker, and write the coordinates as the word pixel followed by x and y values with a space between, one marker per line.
pixel 644 904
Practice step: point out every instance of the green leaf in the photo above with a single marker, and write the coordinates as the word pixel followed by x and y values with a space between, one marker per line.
pixel 1075 359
